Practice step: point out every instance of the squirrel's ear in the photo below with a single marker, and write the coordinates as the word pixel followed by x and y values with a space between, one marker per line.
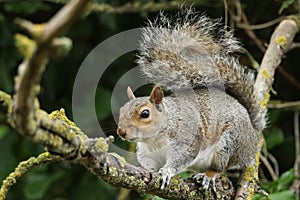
pixel 130 93
pixel 156 95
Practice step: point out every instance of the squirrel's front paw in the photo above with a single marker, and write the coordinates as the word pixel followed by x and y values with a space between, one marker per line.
pixel 207 178
pixel 166 174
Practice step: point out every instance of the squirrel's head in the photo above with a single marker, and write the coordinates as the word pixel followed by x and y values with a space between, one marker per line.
pixel 141 118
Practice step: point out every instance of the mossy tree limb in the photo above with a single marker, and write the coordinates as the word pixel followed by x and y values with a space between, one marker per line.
pixel 31 69
pixel 64 138
pixel 281 40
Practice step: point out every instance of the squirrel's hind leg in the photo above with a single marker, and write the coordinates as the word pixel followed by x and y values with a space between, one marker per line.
pixel 220 161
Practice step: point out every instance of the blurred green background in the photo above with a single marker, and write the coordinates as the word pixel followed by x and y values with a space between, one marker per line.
pixel 70 181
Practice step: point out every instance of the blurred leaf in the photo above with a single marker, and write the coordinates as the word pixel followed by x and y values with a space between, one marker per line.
pixel 28 7
pixel 264 186
pixel 282 183
pixel 259 197
pixel 93 188
pixel 286 195
pixel 3 131
pixel 185 174
pixel 285 5
pixel 274 137
pixel 36 186
pixel 285 180
pixel 38 183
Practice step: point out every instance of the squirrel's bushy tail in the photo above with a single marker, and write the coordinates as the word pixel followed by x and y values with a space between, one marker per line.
pixel 192 51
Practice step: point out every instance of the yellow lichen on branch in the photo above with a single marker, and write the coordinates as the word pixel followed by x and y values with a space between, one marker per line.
pixel 62 136
pixel 265 74
pixel 61 115
pixel 25 45
pixel 281 40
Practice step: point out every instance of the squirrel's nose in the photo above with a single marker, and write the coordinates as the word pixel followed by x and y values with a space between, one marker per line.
pixel 121 132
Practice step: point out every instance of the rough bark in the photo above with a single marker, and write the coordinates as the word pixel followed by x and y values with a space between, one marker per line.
pixel 64 139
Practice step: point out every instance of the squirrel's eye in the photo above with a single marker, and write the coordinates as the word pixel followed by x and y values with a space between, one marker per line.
pixel 145 113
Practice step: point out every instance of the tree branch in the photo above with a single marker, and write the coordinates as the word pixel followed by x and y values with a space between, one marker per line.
pixel 260 26
pixel 294 105
pixel 249 32
pixel 281 40
pixel 63 138
pixel 31 69
pixel 135 7
pixel 24 167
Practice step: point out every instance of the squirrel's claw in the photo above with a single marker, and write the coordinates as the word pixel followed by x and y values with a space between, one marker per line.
pixel 207 180
pixel 166 174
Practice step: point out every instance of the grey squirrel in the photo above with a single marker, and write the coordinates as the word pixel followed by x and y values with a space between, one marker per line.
pixel 212 120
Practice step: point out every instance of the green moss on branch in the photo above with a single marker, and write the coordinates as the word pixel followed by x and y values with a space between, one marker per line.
pixel 23 168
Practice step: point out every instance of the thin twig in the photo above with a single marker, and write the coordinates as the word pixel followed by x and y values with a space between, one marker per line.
pixel 297 139
pixel 275 163
pixel 293 105
pixel 63 19
pixel 225 13
pixel 294 46
pixel 269 167
pixel 249 32
pixel 296 183
pixel 238 10
pixel 136 7
pixel 23 168
pixel 299 8
pixel 261 26
pixel 28 26
pixel 252 35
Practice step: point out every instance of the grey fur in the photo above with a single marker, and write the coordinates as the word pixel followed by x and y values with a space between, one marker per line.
pixel 194 52
pixel 212 121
